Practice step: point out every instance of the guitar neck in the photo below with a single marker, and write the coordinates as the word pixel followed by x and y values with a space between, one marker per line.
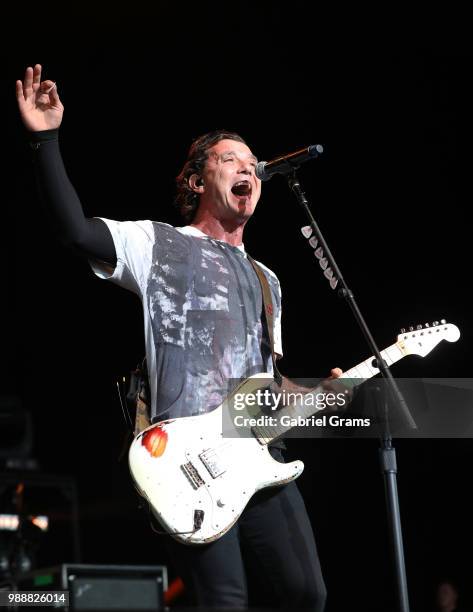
pixel 365 369
pixel 307 403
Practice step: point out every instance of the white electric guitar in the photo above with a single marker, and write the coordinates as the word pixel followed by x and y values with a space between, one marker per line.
pixel 197 481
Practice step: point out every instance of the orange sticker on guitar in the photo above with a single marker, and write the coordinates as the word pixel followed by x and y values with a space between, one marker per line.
pixel 155 441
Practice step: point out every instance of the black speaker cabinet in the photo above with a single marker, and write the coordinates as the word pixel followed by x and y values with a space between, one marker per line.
pixel 103 587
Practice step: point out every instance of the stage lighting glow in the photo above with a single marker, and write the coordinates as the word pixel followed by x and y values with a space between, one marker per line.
pixel 10 522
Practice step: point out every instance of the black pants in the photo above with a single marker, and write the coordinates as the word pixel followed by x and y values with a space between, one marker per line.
pixel 274 540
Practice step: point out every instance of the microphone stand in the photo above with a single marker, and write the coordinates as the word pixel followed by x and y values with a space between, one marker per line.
pixel 387 453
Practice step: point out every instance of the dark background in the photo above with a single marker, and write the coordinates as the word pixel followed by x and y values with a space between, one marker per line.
pixel 392 194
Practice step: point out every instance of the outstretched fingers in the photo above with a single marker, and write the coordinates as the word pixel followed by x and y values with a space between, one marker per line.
pixel 38 101
pixel 20 96
pixel 28 83
pixel 36 76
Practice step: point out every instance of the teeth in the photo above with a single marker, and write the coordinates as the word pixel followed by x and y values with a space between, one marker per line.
pixel 242 188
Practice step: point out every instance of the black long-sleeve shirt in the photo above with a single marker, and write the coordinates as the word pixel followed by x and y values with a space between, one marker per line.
pixel 88 237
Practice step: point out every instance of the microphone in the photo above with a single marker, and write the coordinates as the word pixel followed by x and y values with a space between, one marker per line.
pixel 286 163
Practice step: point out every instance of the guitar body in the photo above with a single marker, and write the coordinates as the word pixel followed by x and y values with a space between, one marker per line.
pixel 198 481
pixel 183 466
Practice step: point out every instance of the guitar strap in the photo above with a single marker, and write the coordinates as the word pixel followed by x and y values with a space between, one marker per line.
pixel 142 420
pixel 139 394
pixel 268 313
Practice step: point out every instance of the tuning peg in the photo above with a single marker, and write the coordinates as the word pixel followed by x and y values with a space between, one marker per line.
pixel 306 231
pixel 403 330
pixel 443 321
pixel 435 323
pixel 411 328
pixel 427 325
pixel 419 327
pixel 313 242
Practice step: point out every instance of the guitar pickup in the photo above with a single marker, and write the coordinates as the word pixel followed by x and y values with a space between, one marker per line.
pixel 211 461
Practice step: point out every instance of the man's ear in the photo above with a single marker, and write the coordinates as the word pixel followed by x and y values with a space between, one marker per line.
pixel 196 183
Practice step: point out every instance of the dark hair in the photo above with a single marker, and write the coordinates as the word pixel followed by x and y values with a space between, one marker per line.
pixel 186 199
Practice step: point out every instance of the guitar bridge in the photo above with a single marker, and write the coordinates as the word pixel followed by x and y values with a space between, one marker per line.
pixel 192 475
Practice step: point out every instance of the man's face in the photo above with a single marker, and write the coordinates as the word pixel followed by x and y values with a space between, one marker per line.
pixel 230 187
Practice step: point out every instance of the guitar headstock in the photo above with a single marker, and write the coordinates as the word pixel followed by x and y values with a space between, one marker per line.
pixel 423 338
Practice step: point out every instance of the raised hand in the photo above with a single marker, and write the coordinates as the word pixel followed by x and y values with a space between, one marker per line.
pixel 38 102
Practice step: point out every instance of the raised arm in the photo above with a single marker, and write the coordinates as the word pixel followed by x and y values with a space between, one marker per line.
pixel 41 111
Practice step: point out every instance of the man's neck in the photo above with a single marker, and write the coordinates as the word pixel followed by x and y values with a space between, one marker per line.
pixel 226 232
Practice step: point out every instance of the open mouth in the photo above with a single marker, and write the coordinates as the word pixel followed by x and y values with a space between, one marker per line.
pixel 242 189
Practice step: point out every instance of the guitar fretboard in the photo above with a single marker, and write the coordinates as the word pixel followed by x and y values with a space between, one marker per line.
pixel 306 405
